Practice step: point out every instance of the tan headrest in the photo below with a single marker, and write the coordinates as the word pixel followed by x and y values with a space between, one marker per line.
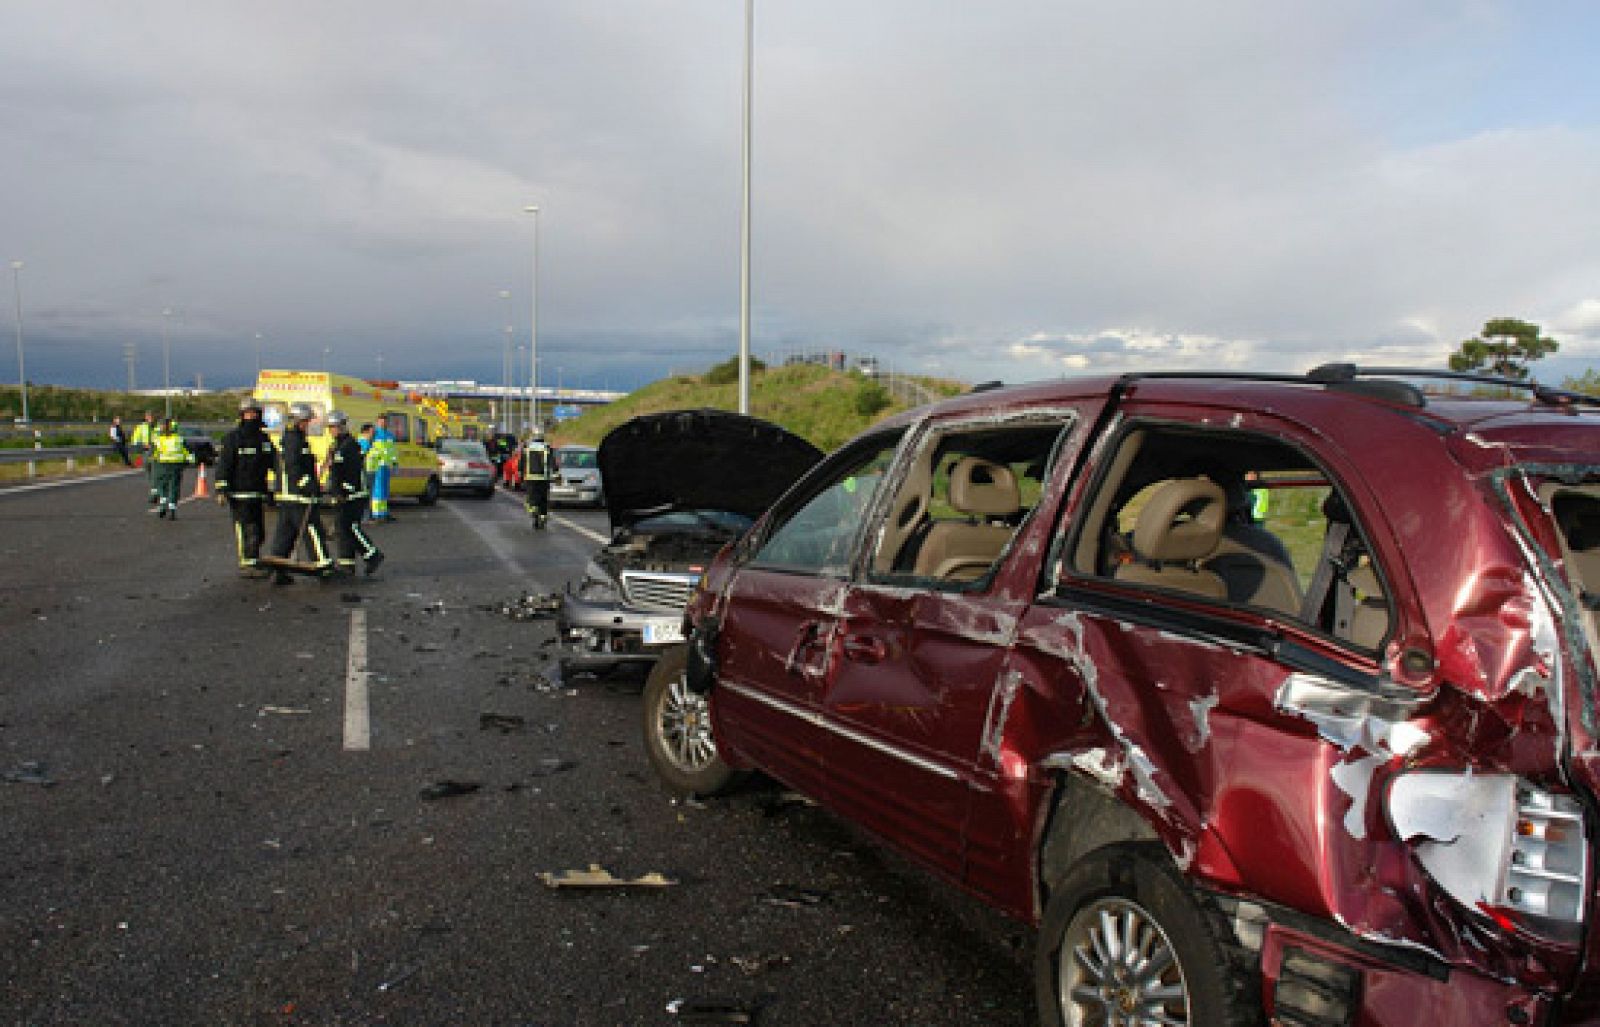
pixel 980 487
pixel 1182 521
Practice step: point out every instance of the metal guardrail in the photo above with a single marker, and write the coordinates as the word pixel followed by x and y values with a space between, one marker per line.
pixel 72 455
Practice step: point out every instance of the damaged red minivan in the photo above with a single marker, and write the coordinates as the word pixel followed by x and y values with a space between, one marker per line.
pixel 1261 696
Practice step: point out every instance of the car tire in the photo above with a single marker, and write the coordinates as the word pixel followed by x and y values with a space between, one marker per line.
pixel 430 493
pixel 1133 890
pixel 677 731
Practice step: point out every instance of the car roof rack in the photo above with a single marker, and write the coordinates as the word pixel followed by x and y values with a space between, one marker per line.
pixel 1350 375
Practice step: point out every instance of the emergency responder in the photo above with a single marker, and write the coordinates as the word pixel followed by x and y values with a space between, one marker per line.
pixel 381 462
pixel 298 495
pixel 535 468
pixel 346 468
pixel 144 440
pixel 247 456
pixel 171 455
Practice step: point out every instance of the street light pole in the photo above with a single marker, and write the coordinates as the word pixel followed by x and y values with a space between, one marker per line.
pixel 505 368
pixel 22 368
pixel 533 331
pixel 258 356
pixel 744 218
pixel 166 358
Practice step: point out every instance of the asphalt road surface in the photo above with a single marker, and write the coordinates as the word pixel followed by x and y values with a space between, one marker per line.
pixel 206 818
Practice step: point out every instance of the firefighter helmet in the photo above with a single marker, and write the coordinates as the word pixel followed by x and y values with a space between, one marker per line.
pixel 249 403
pixel 300 412
pixel 337 417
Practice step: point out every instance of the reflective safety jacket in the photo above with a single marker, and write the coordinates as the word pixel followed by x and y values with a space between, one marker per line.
pixel 345 466
pixel 247 456
pixel 142 434
pixel 381 452
pixel 169 448
pixel 297 469
pixel 535 462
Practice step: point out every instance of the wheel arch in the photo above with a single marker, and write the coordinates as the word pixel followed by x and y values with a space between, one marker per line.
pixel 1082 818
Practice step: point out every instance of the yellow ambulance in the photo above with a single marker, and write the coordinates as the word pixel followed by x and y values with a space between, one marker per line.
pixel 415 422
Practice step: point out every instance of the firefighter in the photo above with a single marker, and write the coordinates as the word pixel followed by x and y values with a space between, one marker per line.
pixel 535 468
pixel 247 456
pixel 346 467
pixel 166 445
pixel 381 462
pixel 298 495
pixel 143 440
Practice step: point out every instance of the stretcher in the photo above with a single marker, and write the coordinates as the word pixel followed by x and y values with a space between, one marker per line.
pixel 292 566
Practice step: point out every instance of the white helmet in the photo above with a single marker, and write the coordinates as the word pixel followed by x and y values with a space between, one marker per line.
pixel 337 418
pixel 300 412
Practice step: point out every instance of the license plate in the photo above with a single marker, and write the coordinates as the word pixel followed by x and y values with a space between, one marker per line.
pixel 662 632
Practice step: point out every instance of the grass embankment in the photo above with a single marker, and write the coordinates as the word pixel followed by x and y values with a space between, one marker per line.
pixel 820 405
pixel 53 403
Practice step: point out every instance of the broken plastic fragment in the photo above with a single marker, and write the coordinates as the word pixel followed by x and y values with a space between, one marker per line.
pixel 30 772
pixel 598 876
pixel 504 723
pixel 790 895
pixel 447 789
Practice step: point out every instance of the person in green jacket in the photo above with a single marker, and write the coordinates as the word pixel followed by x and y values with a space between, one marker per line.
pixel 143 440
pixel 171 456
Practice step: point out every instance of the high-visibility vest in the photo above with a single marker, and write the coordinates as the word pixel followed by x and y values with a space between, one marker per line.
pixel 141 434
pixel 170 449
pixel 381 454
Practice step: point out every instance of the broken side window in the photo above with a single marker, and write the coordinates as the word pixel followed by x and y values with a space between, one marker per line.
pixel 1235 517
pixel 965 494
pixel 818 536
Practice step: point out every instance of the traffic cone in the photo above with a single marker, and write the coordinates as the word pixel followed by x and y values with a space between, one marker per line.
pixel 202 489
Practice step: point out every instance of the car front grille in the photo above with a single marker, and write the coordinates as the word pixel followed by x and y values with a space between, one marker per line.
pixel 657 591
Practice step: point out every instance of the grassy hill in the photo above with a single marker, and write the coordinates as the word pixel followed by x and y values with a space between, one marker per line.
pixel 821 405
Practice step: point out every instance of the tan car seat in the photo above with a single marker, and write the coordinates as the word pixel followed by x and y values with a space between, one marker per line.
pixel 965 550
pixel 1180 525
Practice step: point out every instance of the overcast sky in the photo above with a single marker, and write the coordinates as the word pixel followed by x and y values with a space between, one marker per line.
pixel 1012 189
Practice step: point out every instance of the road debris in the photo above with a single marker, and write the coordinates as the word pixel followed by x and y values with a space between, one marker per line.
pixel 793 896
pixel 598 876
pixel 712 1012
pixel 427 647
pixel 504 723
pixel 553 765
pixel 283 711
pixel 753 965
pixel 781 803
pixel 449 789
pixel 29 772
pixel 529 606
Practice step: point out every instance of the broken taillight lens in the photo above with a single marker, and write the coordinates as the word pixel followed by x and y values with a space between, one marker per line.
pixel 1498 845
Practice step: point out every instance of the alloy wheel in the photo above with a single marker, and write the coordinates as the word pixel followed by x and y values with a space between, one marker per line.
pixel 1117 967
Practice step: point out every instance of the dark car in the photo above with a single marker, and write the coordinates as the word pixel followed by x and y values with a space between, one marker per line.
pixel 1260 696
pixel 678 487
pixel 203 448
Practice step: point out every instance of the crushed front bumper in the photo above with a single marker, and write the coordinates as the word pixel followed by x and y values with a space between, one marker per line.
pixel 607 634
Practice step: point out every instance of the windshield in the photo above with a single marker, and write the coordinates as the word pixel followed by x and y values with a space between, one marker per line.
pixel 716 520
pixel 463 448
pixel 576 458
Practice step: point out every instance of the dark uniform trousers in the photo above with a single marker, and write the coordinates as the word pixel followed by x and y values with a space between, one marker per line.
pixel 249 527
pixel 350 540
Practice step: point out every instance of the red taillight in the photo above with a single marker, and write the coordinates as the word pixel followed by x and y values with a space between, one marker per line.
pixel 479 466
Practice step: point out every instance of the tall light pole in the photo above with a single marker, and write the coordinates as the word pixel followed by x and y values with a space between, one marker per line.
pixel 22 367
pixel 258 356
pixel 744 218
pixel 521 349
pixel 505 368
pixel 166 357
pixel 533 331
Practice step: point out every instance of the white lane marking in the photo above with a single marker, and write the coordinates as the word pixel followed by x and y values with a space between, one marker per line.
pixel 109 475
pixel 357 709
pixel 499 546
pixel 588 533
pixel 580 529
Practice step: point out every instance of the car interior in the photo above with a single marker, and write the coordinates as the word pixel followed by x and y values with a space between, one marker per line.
pixel 1232 517
pixel 962 501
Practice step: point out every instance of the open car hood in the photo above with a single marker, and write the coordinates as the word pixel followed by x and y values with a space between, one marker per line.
pixel 698 460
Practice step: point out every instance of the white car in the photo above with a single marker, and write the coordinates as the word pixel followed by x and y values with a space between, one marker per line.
pixel 465 464
pixel 577 477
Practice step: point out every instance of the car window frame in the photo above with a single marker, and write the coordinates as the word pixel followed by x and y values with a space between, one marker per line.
pixel 1061 575
pixel 820 478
